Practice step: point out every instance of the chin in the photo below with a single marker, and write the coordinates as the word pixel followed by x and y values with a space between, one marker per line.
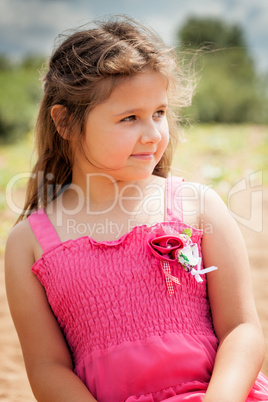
pixel 135 175
pixel 141 175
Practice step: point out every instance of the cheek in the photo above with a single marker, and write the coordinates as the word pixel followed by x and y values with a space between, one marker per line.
pixel 111 150
pixel 165 135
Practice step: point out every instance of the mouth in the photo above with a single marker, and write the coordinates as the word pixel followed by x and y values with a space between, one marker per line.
pixel 143 155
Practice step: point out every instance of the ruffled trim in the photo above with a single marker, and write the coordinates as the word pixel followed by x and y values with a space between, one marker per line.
pixel 177 225
pixel 195 392
pixel 192 391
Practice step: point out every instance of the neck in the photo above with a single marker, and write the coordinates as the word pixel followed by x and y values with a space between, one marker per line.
pixel 103 191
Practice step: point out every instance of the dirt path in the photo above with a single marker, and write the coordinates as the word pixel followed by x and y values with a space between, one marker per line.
pixel 257 246
pixel 14 385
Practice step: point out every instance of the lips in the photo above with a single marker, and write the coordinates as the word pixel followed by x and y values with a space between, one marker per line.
pixel 143 155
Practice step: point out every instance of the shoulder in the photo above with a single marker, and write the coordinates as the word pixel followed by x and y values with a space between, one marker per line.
pixel 19 259
pixel 20 237
pixel 21 246
pixel 204 209
pixel 199 192
pixel 201 205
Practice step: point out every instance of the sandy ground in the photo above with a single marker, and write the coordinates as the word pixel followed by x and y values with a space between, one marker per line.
pixel 14 385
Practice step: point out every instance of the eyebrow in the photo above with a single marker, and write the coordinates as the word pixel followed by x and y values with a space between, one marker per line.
pixel 133 111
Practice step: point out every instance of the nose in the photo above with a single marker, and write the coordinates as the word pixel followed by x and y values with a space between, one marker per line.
pixel 150 133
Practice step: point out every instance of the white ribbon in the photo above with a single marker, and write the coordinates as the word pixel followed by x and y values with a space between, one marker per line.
pixel 196 272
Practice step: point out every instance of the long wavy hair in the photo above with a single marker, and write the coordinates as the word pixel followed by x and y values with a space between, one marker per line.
pixel 82 72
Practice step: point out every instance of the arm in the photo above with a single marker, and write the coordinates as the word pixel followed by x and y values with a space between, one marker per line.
pixel 241 345
pixel 47 359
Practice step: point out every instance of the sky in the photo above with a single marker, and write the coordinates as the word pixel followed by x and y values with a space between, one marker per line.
pixel 31 26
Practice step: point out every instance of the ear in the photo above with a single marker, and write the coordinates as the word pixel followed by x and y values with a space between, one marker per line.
pixel 59 115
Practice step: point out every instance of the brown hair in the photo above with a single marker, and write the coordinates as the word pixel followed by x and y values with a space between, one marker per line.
pixel 83 71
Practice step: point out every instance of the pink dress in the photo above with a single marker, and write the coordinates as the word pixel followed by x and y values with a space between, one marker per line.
pixel 129 339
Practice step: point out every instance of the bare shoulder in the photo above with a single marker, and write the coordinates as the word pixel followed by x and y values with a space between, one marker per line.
pixel 201 205
pixel 22 244
pixel 19 258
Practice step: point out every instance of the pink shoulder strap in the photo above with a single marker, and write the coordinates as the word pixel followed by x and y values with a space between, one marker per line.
pixel 43 229
pixel 173 197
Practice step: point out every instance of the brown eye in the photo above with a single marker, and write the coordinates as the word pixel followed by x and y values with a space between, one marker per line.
pixel 129 118
pixel 159 113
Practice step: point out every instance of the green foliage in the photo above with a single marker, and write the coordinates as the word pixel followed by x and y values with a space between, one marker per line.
pixel 198 32
pixel 210 154
pixel 5 63
pixel 229 89
pixel 19 97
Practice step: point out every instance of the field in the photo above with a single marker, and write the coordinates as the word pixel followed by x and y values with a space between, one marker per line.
pixel 231 159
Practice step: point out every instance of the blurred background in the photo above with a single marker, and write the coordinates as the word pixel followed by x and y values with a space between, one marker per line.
pixel 232 69
pixel 224 134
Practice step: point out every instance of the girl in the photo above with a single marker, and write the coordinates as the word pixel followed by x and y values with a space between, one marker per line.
pixel 104 278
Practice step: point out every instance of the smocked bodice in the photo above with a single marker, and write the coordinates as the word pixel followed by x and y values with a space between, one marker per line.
pixel 107 293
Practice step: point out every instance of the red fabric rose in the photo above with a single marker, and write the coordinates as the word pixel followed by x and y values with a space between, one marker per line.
pixel 166 247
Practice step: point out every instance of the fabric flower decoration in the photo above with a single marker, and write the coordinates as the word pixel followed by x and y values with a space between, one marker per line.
pixel 177 247
pixel 166 247
pixel 188 257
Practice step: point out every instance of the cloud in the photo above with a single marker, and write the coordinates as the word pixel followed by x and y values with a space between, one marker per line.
pixel 31 25
pixel 28 26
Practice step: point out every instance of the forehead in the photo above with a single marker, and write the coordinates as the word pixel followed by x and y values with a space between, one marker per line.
pixel 140 81
pixel 148 87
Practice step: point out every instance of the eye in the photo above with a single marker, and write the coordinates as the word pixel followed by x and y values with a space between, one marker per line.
pixel 159 113
pixel 129 118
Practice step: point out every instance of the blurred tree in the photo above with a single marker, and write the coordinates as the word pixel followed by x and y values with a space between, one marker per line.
pixel 198 32
pixel 5 63
pixel 228 90
pixel 32 62
pixel 20 93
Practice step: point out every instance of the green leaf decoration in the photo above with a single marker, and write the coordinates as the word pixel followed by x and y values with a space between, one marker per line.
pixel 184 257
pixel 188 232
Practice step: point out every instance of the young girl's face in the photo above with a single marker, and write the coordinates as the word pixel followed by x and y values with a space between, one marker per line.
pixel 126 135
